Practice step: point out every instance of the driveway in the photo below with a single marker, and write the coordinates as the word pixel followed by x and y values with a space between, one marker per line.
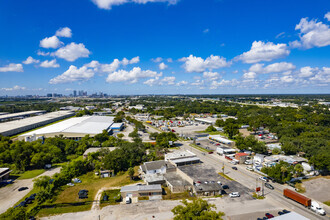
pixel 10 195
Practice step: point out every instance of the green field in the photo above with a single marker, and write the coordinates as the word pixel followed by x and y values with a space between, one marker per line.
pixel 68 201
pixel 29 174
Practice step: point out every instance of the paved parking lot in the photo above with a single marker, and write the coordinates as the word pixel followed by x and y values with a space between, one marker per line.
pixel 190 129
pixel 237 208
pixel 9 195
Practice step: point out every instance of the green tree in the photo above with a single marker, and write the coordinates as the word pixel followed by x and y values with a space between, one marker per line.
pixel 298 169
pixel 276 151
pixel 231 129
pixel 196 210
pixel 131 172
pixel 42 182
pixel 120 135
pixel 210 129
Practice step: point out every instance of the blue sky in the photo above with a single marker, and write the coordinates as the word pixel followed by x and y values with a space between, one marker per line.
pixel 164 46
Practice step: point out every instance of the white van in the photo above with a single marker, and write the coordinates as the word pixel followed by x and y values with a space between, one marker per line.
pixel 128 200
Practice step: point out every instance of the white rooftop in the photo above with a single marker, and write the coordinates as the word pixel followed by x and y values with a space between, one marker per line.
pixel 179 155
pixel 140 188
pixel 81 125
pixel 13 115
pixel 6 126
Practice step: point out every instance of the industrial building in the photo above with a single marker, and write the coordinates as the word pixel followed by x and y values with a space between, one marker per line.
pixel 181 158
pixel 4 173
pixel 19 126
pixel 74 128
pixel 141 190
pixel 19 115
pixel 221 140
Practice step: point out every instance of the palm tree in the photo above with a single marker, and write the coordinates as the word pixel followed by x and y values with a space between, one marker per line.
pixel 283 170
pixel 298 169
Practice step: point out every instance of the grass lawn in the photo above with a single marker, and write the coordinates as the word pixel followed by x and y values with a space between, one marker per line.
pixel 69 196
pixel 175 196
pixel 114 197
pixel 327 203
pixel 225 176
pixel 200 148
pixel 29 174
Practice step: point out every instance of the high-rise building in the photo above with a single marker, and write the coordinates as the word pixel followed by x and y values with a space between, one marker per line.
pixel 74 93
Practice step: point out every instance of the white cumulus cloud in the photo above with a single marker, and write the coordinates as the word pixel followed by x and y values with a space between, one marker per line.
pixel 272 68
pixel 73 74
pixel 50 42
pixel 182 83
pixel 211 75
pixel 64 32
pixel 312 34
pixel 72 52
pixel 261 51
pixel 199 65
pixel 12 67
pixel 249 75
pixel 107 4
pixel 162 66
pixel 169 80
pixel 157 60
pixel 131 76
pixel 30 60
pixel 14 88
pixel 327 16
pixel 49 64
pixel 134 60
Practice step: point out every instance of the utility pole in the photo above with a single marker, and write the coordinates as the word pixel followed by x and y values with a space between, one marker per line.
pixel 263 186
pixel 223 167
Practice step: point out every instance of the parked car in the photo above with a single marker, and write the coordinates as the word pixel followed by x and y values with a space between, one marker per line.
pixel 269 186
pixel 23 188
pixel 210 152
pixel 217 144
pixel 249 168
pixel 76 180
pixel 268 215
pixel 128 200
pixel 285 211
pixel 70 184
pixel 234 168
pixel 263 179
pixel 225 187
pixel 280 213
pixel 83 194
pixel 234 194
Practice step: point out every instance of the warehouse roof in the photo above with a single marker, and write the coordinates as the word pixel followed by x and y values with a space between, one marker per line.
pixel 81 125
pixel 11 125
pixel 19 114
pixel 140 188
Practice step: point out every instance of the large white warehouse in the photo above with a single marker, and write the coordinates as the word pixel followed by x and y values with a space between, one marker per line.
pixel 19 126
pixel 73 128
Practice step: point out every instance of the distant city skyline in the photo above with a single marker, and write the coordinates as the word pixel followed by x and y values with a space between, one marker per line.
pixel 164 47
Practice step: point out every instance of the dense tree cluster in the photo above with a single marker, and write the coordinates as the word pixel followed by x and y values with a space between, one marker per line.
pixel 197 209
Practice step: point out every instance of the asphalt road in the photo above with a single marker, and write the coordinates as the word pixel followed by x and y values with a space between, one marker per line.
pixel 9 195
pixel 250 180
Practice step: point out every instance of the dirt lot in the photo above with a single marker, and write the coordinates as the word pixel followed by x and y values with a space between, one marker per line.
pixel 318 189
pixel 244 132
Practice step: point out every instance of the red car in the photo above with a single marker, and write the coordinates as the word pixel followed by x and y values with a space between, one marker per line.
pixel 173 130
pixel 268 215
pixel 217 144
pixel 211 152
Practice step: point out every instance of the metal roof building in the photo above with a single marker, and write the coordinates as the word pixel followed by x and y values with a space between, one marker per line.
pixel 5 117
pixel 19 126
pixel 74 128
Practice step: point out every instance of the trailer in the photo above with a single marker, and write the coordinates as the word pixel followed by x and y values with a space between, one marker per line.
pixel 297 197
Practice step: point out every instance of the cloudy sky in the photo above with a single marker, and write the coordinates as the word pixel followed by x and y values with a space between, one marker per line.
pixel 164 46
